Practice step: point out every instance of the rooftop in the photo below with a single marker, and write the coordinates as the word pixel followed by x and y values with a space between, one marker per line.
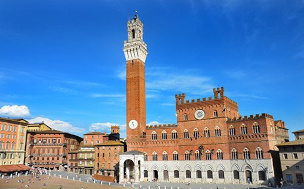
pixel 292 143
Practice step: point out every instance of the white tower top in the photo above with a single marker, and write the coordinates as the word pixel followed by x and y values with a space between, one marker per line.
pixel 135 47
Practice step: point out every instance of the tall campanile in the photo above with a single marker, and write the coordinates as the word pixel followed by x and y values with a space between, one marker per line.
pixel 135 50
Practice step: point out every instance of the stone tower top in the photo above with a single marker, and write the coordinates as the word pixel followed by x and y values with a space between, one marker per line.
pixel 135 47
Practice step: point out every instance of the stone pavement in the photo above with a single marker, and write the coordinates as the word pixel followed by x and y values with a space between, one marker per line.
pixel 163 185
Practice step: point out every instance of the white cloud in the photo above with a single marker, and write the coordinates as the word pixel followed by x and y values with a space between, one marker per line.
pixel 15 111
pixel 102 127
pixel 153 123
pixel 59 125
pixel 96 95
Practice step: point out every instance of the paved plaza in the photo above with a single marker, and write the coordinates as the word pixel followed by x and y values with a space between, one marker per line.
pixel 72 180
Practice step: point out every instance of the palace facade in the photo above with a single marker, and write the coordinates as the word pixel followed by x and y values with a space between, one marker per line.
pixel 211 142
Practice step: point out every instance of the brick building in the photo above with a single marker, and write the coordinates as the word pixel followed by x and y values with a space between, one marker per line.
pixel 12 141
pixel 210 143
pixel 48 149
pixel 98 153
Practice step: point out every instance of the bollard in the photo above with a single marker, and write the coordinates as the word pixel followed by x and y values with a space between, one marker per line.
pixel 80 179
pixel 49 174
pixel 94 181
pixel 101 182
pixel 67 177
pixel 171 187
pixel 109 183
pixel 73 178
pixel 60 176
pixel 124 185
pixel 54 175
pixel 158 187
pixel 149 187
pixel 87 180
pixel 132 185
pixel 165 187
pixel 18 174
pixel 2 176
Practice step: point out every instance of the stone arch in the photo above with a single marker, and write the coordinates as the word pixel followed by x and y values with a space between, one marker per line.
pixel 220 167
pixel 208 167
pixel 187 167
pixel 154 167
pixel 260 167
pixel 198 167
pixel 165 167
pixel 235 167
pixel 247 167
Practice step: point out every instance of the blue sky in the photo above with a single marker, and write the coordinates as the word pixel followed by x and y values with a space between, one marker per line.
pixel 62 62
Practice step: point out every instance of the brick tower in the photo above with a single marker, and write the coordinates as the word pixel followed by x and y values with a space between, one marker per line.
pixel 135 50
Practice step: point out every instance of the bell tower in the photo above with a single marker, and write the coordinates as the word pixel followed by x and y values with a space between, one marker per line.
pixel 135 50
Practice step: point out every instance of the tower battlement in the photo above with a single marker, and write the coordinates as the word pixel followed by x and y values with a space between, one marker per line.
pixel 251 117
pixel 161 126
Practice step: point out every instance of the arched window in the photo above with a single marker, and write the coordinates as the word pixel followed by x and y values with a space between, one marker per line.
pixel 215 113
pixel 176 174
pixel 256 127
pixel 185 117
pixel 217 131
pixel 231 130
pixel 259 153
pixel 187 155
pixel 198 174
pixel 244 129
pixel 186 133
pixel 209 174
pixel 7 145
pixel 221 174
pixel 1 145
pixel 174 134
pixel 175 155
pixel 206 132
pixel 188 174
pixel 154 135
pixel 219 154
pixel 236 174
pixel 145 156
pixel 154 156
pixel 196 133
pixel 164 135
pixel 246 153
pixel 165 156
pixel 197 155
pixel 234 154
pixel 208 155
pixel 133 34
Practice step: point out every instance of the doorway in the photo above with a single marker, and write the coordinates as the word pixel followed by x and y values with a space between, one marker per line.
pixel 248 175
pixel 155 175
pixel 166 175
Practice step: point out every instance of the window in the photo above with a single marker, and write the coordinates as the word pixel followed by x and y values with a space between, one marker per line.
pixel 208 155
pixel 234 154
pixel 285 156
pixel 174 134
pixel 187 155
pixel 219 154
pixel 217 131
pixel 9 127
pixel 154 135
pixel 236 174
pixel 175 155
pixel 1 145
pixel 197 155
pixel 186 133
pixel 256 127
pixel 13 145
pixel 206 132
pixel 188 174
pixel 246 153
pixel 54 140
pixel 165 156
pixel 231 130
pixel 221 174
pixel 164 135
pixel 176 174
pixel 80 162
pixel 97 141
pixel 185 117
pixel 262 175
pixel 22 130
pixel 289 178
pixel 295 155
pixel 3 127
pixel 297 167
pixel 7 145
pixel 244 129
pixel 196 133
pixel 2 135
pixel 145 156
pixel 215 113
pixel 15 128
pixel 209 174
pixel 154 156
pixel 198 174
pixel 8 136
pixel 145 173
pixel 259 153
